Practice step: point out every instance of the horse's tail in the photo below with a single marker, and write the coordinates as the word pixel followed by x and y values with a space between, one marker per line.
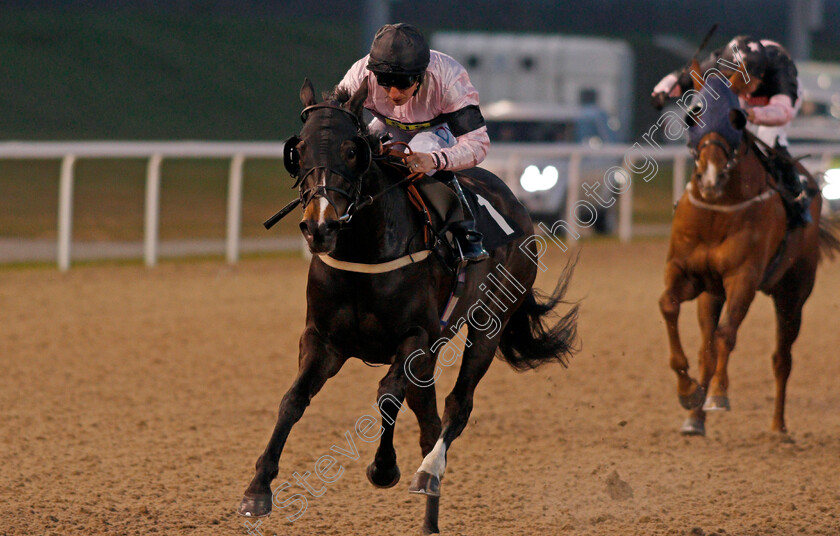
pixel 829 236
pixel 527 343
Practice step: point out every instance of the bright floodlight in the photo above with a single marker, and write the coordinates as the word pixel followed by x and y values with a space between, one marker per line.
pixel 534 181
pixel 831 191
pixel 549 177
pixel 833 176
pixel 530 178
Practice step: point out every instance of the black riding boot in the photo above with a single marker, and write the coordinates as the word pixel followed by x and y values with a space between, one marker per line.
pixel 465 232
pixel 787 174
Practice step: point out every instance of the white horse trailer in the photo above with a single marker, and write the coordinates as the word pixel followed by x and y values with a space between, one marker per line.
pixel 575 71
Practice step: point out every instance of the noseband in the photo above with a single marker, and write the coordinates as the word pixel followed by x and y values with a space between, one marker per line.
pixel 310 194
pixel 732 156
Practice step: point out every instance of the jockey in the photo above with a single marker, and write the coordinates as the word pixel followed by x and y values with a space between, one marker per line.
pixel 764 78
pixel 425 98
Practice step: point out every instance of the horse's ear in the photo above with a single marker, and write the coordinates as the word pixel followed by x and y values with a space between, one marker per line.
pixel 738 118
pixel 355 103
pixel 695 68
pixel 307 93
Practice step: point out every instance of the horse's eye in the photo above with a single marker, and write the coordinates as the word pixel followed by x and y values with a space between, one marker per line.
pixel 351 153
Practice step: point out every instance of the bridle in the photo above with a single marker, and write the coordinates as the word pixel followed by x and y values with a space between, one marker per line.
pixel 733 157
pixel 291 160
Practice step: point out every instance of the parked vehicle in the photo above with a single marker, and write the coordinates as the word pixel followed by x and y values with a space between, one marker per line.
pixel 547 89
pixel 540 182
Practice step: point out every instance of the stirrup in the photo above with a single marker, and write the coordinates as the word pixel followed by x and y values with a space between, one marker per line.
pixel 470 251
pixel 469 241
pixel 803 203
pixel 798 208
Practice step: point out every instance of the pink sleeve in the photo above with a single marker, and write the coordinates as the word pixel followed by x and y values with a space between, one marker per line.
pixel 779 111
pixel 471 147
pixel 469 151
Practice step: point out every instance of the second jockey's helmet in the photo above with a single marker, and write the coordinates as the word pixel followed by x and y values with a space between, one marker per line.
pixel 398 49
pixel 751 53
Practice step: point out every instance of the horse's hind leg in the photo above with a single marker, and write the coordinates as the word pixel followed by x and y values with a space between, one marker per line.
pixel 789 298
pixel 383 471
pixel 423 402
pixel 315 366
pixel 678 289
pixel 708 314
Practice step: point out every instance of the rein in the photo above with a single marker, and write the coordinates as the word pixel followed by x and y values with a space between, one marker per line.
pixel 393 153
pixel 387 156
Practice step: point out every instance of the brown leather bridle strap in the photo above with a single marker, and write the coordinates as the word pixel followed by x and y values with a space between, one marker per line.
pixel 718 143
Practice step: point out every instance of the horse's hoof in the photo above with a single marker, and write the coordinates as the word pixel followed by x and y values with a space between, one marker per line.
pixel 716 403
pixel 255 506
pixel 693 427
pixel 388 479
pixel 425 484
pixel 695 399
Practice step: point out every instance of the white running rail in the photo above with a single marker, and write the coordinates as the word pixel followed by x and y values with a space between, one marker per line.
pixel 238 152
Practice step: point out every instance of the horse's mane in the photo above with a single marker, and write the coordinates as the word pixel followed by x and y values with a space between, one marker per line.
pixel 339 97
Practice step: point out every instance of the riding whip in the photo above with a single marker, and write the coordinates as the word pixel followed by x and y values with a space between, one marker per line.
pixel 660 98
pixel 269 223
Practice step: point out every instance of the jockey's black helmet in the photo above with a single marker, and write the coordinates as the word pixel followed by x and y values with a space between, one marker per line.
pixel 398 49
pixel 752 54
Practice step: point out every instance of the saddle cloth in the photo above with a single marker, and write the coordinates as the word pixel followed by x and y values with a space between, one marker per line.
pixel 498 229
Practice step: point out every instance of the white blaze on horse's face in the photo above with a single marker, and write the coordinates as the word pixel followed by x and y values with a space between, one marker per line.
pixel 323 205
pixel 708 182
pixel 320 223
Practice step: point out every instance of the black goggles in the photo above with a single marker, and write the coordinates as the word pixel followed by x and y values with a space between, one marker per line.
pixel 399 81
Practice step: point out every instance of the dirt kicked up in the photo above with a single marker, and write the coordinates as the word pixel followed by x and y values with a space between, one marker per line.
pixel 136 401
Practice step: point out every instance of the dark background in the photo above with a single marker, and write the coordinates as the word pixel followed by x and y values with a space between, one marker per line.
pixel 225 69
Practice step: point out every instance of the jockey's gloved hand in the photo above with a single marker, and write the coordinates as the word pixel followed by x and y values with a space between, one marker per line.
pixel 658 100
pixel 667 85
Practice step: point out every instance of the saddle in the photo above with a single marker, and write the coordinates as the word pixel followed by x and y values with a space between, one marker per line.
pixel 441 209
pixel 766 156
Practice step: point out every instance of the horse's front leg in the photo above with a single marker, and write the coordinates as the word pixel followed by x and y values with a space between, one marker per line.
pixel 709 307
pixel 383 471
pixel 477 359
pixel 740 292
pixel 679 288
pixel 317 363
pixel 423 401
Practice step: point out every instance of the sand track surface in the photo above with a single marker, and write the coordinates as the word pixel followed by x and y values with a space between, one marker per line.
pixel 135 401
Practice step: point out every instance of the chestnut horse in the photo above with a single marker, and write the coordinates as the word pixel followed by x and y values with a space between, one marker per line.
pixel 375 292
pixel 730 238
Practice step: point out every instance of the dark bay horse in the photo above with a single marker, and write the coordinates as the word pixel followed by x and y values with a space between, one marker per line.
pixel 730 238
pixel 375 293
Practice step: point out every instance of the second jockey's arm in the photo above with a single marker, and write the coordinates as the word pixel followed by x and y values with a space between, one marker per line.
pixel 779 111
